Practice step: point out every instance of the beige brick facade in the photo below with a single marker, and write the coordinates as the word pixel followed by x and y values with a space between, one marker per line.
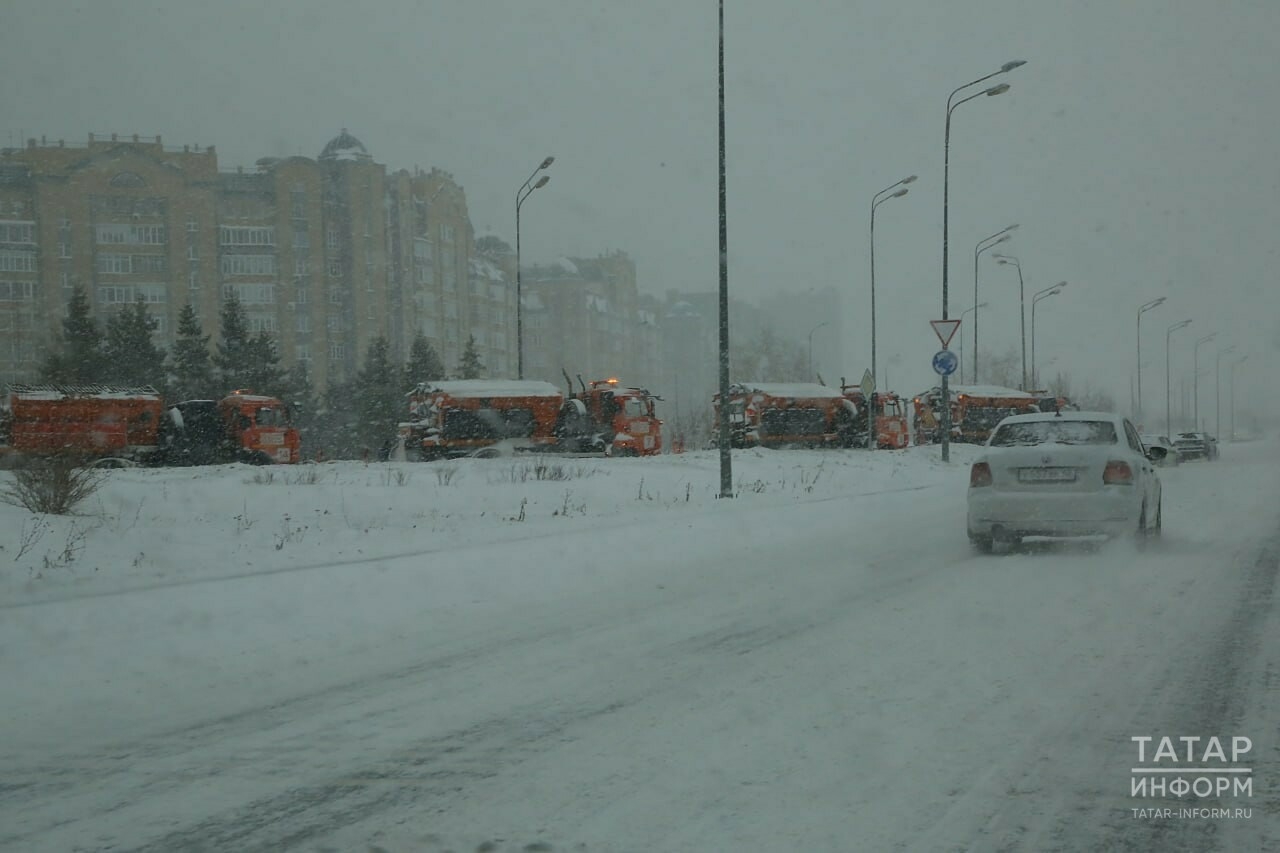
pixel 325 254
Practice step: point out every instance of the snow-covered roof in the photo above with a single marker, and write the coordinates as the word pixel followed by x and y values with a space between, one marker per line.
pixel 989 391
pixel 797 390
pixel 486 269
pixel 100 392
pixel 1110 417
pixel 344 146
pixel 468 388
pixel 566 264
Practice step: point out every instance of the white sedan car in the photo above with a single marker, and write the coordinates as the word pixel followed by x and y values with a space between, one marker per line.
pixel 1064 474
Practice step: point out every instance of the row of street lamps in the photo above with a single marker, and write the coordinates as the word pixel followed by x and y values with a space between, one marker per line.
pixel 1168 374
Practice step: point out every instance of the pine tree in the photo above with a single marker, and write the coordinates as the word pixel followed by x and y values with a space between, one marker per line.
pixel 79 359
pixel 262 370
pixel 232 356
pixel 299 395
pixel 131 357
pixel 378 396
pixel 470 367
pixel 424 364
pixel 192 372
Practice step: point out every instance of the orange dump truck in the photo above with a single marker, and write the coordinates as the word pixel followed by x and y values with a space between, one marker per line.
pixel 455 417
pixel 975 411
pixel 892 429
pixel 609 418
pixel 134 423
pixel 780 414
pixel 92 420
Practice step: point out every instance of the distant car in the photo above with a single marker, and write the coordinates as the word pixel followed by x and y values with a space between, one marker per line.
pixel 1172 456
pixel 1064 475
pixel 1196 445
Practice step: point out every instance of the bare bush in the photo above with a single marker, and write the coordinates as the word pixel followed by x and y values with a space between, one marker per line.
pixel 445 474
pixel 309 476
pixel 55 485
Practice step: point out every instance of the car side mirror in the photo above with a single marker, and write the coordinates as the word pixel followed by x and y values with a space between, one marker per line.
pixel 1157 454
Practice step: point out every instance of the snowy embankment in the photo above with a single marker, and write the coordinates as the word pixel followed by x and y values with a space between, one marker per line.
pixel 156 527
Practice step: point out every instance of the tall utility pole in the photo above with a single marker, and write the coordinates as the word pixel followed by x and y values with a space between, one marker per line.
pixel 946 179
pixel 726 463
pixel 1022 310
pixel 526 189
pixel 1154 303
pixel 1168 379
pixel 1239 361
pixel 983 245
pixel 1217 391
pixel 1195 379
pixel 876 200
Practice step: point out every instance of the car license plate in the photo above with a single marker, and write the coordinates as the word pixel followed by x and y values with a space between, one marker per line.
pixel 1046 475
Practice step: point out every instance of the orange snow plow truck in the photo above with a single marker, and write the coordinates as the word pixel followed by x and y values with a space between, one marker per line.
pixel 892 428
pixel 975 411
pixel 451 418
pixel 782 414
pixel 133 423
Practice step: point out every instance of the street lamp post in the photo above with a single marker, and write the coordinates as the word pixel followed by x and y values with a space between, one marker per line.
pixel 1168 379
pixel 974 310
pixel 1217 391
pixel 811 331
pixel 876 200
pixel 1154 303
pixel 983 245
pixel 1022 309
pixel 1040 294
pixel 946 176
pixel 526 189
pixel 1195 369
pixel 1239 361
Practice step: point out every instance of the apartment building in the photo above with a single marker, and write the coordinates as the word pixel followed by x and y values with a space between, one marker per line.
pixel 325 254
pixel 585 316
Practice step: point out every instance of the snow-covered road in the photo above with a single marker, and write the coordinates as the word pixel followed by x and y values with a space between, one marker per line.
pixel 833 671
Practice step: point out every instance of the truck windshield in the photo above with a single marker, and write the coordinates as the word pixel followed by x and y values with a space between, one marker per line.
pixel 268 417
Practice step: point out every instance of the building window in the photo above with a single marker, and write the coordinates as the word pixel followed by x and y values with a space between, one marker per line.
pixel 262 323
pixel 64 251
pixel 193 281
pixel 17 291
pixel 246 236
pixel 251 294
pixel 298 203
pixel 15 261
pixel 301 265
pixel 249 265
pixel 301 240
pixel 302 323
pixel 446 233
pixel 335 269
pixel 17 232
pixel 193 252
pixel 127 294
pixel 301 294
pixel 302 352
pixel 65 280
pixel 335 323
pixel 337 352
pixel 136 235
pixel 192 225
pixel 331 237
pixel 335 296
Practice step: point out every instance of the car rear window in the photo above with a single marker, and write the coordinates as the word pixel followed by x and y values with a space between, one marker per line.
pixel 1031 433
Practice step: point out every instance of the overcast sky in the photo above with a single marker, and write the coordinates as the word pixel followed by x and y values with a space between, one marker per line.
pixel 1136 148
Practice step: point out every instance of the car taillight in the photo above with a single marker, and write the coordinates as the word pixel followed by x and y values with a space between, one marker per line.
pixel 979 475
pixel 1117 473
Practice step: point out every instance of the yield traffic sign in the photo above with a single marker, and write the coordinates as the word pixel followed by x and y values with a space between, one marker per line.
pixel 868 383
pixel 945 330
